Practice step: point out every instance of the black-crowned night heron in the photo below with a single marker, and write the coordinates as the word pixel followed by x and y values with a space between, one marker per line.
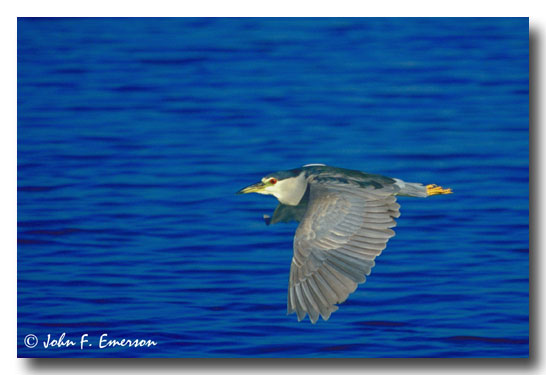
pixel 345 219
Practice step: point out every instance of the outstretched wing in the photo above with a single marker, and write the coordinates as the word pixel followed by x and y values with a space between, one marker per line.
pixel 344 228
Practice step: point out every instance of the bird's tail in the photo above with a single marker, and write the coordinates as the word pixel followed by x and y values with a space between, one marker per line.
pixel 414 189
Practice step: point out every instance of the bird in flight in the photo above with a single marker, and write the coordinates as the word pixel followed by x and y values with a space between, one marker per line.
pixel 345 219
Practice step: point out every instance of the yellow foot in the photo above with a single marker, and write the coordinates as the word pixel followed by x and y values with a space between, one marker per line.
pixel 435 190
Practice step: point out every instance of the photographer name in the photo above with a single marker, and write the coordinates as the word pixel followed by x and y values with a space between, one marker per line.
pixel 103 342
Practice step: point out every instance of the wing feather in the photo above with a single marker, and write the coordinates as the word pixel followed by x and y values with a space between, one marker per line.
pixel 313 309
pixel 345 227
pixel 301 307
pixel 327 291
pixel 322 302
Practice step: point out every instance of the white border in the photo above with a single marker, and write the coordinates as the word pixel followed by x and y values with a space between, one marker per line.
pixel 278 8
pixel 8 24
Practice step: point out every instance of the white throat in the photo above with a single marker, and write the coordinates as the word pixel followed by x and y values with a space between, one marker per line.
pixel 290 190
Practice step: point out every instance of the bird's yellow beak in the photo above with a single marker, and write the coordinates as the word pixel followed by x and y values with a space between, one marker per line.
pixel 256 188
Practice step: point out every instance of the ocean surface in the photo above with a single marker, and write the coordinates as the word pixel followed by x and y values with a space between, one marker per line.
pixel 134 135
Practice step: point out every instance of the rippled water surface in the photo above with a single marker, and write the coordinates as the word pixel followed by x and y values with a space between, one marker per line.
pixel 134 134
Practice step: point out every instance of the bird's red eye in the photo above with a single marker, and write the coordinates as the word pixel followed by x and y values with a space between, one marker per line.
pixel 273 181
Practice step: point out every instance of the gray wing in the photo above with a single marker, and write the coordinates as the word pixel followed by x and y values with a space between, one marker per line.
pixel 344 228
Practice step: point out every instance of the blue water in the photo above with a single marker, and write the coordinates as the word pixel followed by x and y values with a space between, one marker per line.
pixel 134 134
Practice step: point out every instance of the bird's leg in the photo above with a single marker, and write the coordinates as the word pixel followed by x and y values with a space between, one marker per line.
pixel 436 190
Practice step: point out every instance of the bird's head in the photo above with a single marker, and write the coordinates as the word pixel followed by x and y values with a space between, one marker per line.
pixel 287 186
